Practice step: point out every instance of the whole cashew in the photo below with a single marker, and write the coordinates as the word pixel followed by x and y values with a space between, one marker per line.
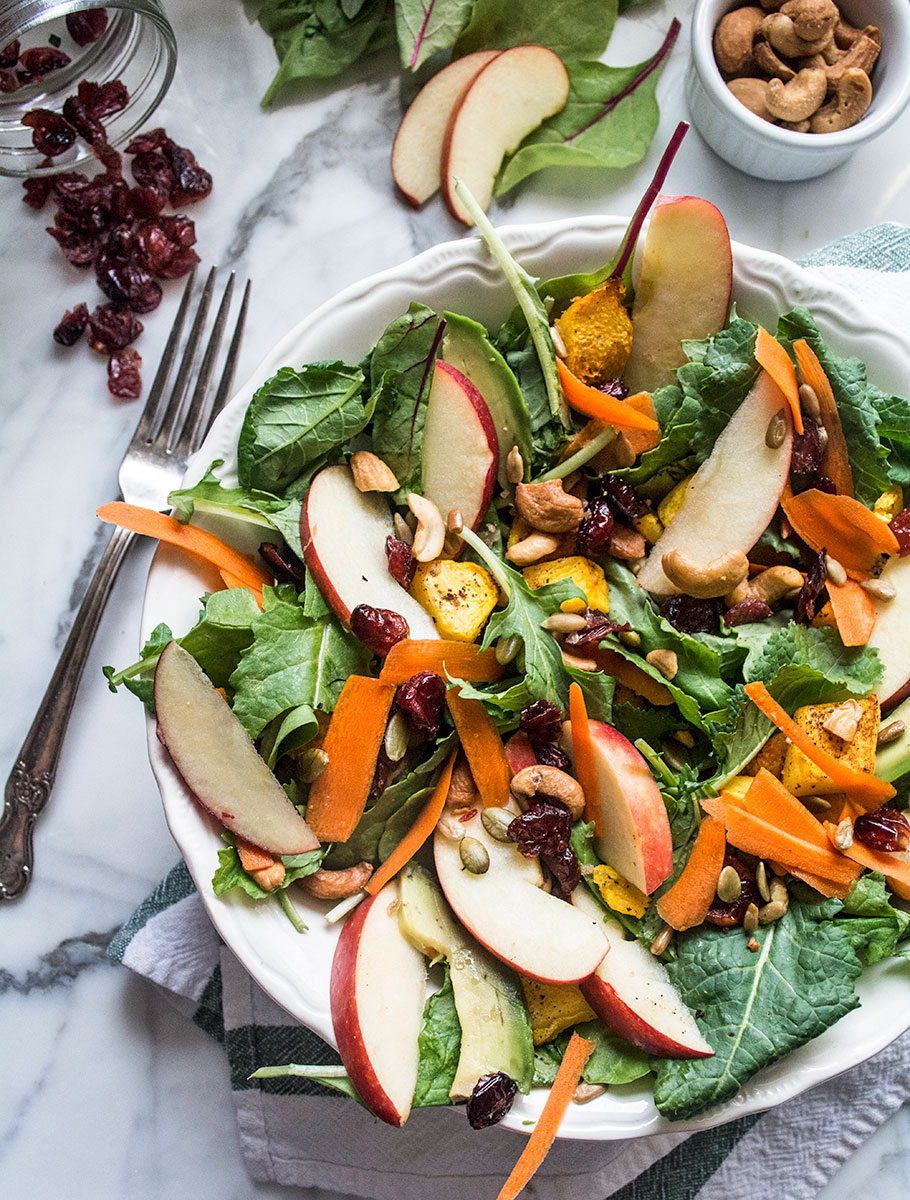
pixel 704 581
pixel 766 60
pixel 430 535
pixel 532 548
pixel 733 38
pixel 336 885
pixel 751 93
pixel 862 55
pixel 549 781
pixel 780 32
pixel 812 19
pixel 798 99
pixel 854 95
pixel 769 586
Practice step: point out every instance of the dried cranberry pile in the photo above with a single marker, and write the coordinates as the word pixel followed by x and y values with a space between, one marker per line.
pixel 19 67
pixel 122 231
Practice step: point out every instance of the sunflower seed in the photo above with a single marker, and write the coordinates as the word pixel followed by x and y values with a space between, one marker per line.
pixel 515 466
pixel 396 737
pixel 843 835
pixel 776 431
pixel 779 894
pixel 809 401
pixel 662 941
pixel 816 804
pixel 836 572
pixel 879 589
pixel 563 622
pixel 890 733
pixel 311 762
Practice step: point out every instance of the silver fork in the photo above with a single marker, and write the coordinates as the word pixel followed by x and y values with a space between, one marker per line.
pixel 170 429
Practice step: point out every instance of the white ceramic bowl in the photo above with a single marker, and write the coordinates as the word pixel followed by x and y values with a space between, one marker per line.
pixel 461 276
pixel 768 152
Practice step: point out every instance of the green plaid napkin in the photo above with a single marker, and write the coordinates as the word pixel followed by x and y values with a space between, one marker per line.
pixel 294 1132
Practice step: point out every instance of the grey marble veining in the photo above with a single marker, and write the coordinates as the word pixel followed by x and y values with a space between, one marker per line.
pixel 108 1092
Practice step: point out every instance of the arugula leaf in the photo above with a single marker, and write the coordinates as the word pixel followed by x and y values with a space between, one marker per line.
pixel 439 1043
pixel 401 373
pixel 613 1061
pixel 572 28
pixel 757 1006
pixel 295 420
pixel 425 26
pixel 609 119
pixel 230 874
pixel 292 661
pixel 255 506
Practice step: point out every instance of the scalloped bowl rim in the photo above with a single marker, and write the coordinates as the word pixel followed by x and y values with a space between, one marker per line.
pixel 294 969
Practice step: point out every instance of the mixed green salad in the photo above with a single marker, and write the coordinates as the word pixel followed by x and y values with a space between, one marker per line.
pixel 666 669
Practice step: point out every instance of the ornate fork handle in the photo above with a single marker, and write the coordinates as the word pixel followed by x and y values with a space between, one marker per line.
pixel 32 777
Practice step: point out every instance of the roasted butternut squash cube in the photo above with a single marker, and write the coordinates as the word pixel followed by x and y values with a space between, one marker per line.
pixel 649 526
pixel 801 776
pixel 771 756
pixel 459 596
pixel 586 574
pixel 553 1007
pixel 597 333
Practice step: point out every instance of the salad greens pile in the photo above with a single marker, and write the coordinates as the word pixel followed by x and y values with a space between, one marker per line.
pixel 283 667
pixel 611 114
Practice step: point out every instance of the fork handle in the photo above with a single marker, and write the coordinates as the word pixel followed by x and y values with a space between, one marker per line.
pixel 32 778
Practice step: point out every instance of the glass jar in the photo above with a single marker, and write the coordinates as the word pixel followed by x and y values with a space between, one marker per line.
pixel 136 47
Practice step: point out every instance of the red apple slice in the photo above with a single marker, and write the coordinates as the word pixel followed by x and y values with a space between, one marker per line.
pixel 683 288
pixel 519 752
pixel 417 149
pixel 218 762
pixel 509 98
pixel 460 453
pixel 735 492
pixel 633 827
pixel 632 994
pixel 508 912
pixel 890 637
pixel 377 992
pixel 343 532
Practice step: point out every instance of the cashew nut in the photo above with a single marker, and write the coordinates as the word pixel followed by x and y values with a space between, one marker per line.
pixel 751 93
pixel 766 60
pixel 812 19
pixel 371 474
pixel 546 506
pixel 431 528
pixel 862 55
pixel 733 38
pixel 549 781
pixel 798 99
pixel 769 586
pixel 779 30
pixel 854 95
pixel 336 885
pixel 664 661
pixel 704 581
pixel 532 549
pixel 462 788
pixel 845 34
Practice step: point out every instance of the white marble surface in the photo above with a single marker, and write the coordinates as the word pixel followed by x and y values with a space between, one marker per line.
pixel 107 1092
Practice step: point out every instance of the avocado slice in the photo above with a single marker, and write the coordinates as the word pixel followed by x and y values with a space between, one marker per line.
pixel 892 762
pixel 495 1030
pixel 467 348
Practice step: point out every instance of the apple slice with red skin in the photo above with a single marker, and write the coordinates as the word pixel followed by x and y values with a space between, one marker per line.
pixel 520 752
pixel 683 288
pixel 217 760
pixel 377 992
pixel 633 830
pixel 343 533
pixel 510 97
pixel 417 149
pixel 460 451
pixel 889 635
pixel 632 994
pixel 508 912
pixel 730 502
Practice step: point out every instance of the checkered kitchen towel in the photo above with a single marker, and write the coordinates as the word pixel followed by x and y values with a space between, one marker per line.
pixel 293 1132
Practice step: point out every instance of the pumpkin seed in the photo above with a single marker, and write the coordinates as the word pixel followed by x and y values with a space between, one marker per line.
pixel 630 639
pixel 776 431
pixel 761 878
pixel 771 912
pixel 474 856
pixel 506 649
pixel 311 762
pixel 779 894
pixel 496 822
pixel 750 919
pixel 729 885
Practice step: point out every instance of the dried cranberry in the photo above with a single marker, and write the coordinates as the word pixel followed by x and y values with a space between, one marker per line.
pixel 82 120
pixel 598 626
pixel 421 698
pixel 40 61
pixel 112 328
pixel 102 100
pixel 71 328
pixel 381 775
pixel 152 139
pixel 541 721
pixel 78 247
pixel 192 183
pixel 622 498
pixel 402 563
pixel 900 527
pixel 378 628
pixel 36 192
pixel 612 387
pixel 151 168
pixel 728 915
pixel 806 455
pixel 109 158
pixel 9 55
pixel 745 612
pixel 807 602
pixel 822 483
pixel 8 82
pixel 123 377
pixel 89 202
pixel 128 285
pixel 87 26
pixel 51 133
pixel 544 832
pixel 491 1099
pixel 552 756
pixel 884 829
pixel 284 563
pixel 139 204
pixel 594 533
pixel 689 615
